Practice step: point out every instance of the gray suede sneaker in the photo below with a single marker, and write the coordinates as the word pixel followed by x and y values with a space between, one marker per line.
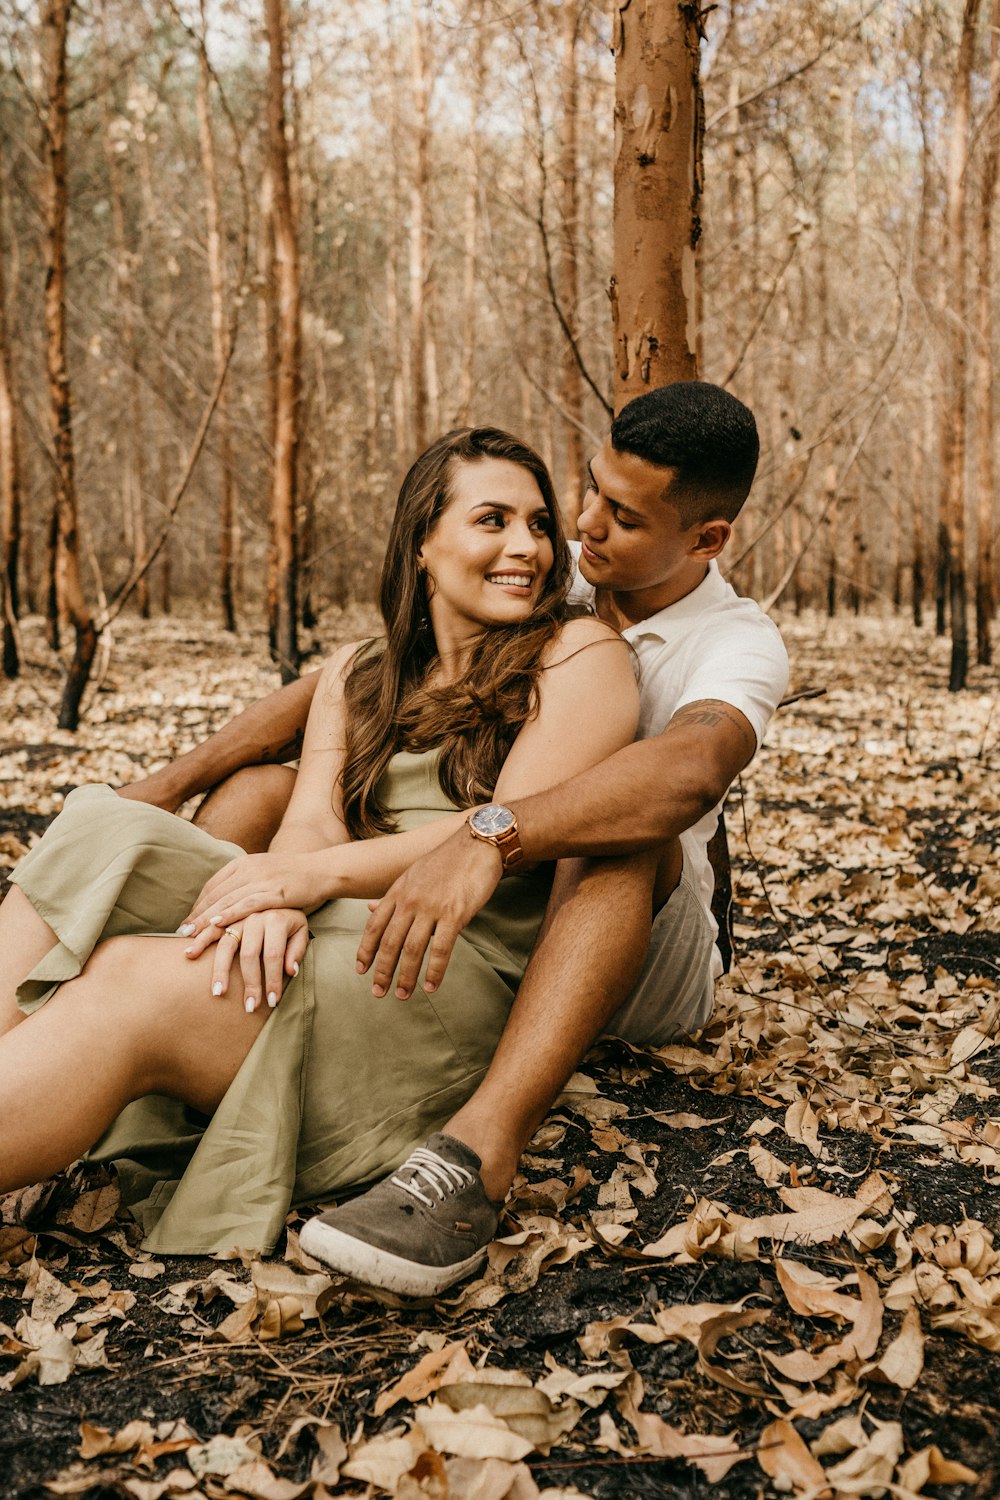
pixel 416 1232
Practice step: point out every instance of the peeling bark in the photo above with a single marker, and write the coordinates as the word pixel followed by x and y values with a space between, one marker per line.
pixel 283 613
pixel 985 400
pixel 953 505
pixel 10 478
pixel 217 288
pixel 659 121
pixel 68 587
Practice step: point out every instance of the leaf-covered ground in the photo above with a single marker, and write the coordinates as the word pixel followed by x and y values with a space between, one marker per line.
pixel 762 1263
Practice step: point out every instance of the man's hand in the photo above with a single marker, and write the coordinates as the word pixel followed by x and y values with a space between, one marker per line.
pixel 257 883
pixel 425 910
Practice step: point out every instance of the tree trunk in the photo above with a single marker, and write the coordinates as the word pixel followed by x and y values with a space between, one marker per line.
pixel 658 132
pixel 832 539
pixel 953 456
pixel 569 292
pixel 286 418
pixel 69 591
pixel 985 403
pixel 133 473
pixel 419 233
pixel 217 286
pixel 10 477
pixel 470 237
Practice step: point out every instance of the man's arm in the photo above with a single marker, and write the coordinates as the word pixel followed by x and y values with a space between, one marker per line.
pixel 267 733
pixel 637 799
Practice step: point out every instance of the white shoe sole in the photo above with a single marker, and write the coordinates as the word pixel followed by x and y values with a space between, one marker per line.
pixel 380 1268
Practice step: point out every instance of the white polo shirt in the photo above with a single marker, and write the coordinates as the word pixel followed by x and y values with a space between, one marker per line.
pixel 710 644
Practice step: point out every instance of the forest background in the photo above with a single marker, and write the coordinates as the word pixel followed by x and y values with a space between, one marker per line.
pixel 255 255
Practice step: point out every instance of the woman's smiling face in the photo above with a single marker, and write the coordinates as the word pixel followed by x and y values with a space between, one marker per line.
pixel 490 551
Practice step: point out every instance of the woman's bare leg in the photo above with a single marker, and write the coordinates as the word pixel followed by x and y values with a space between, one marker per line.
pixel 140 1019
pixel 24 941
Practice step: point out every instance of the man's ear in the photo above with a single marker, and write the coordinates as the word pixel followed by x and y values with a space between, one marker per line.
pixel 710 538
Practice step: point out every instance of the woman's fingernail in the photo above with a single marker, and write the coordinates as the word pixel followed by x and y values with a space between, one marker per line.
pixel 272 999
pixel 250 1004
pixel 295 970
pixel 215 921
pixel 186 931
pixel 188 952
pixel 217 987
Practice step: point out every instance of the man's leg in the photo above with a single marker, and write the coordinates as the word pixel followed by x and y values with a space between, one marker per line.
pixel 428 1225
pixel 588 956
pixel 247 807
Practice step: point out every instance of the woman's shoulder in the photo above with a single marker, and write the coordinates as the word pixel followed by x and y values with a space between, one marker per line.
pixel 340 663
pixel 576 635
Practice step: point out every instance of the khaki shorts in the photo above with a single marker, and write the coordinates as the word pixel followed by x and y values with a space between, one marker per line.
pixel 674 993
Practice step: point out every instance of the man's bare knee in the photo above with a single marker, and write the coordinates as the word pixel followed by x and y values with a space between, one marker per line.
pixel 247 807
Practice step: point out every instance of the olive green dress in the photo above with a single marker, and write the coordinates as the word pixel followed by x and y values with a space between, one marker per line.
pixel 339 1087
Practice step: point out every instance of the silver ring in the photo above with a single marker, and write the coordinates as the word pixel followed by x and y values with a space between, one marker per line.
pixel 234 933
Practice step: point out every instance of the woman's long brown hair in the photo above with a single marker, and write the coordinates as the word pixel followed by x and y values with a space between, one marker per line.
pixel 389 705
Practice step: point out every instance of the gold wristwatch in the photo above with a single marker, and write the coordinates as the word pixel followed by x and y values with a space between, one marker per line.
pixel 497 825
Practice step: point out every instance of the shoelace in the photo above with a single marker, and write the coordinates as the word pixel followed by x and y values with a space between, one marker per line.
pixel 434 1172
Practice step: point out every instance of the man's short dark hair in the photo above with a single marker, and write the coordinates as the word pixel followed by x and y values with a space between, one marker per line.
pixel 704 433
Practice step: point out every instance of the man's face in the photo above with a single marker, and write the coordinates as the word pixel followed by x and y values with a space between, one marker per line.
pixel 632 537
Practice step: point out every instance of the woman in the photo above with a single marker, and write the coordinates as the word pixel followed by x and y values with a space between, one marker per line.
pixel 220 1112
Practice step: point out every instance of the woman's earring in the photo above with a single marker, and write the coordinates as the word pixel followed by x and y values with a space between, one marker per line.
pixel 424 615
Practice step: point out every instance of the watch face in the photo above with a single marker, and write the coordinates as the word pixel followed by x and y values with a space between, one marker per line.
pixel 493 820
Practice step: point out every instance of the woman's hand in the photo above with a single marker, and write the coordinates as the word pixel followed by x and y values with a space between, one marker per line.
pixel 270 945
pixel 257 883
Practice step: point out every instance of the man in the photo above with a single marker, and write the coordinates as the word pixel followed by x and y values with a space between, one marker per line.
pixel 627 946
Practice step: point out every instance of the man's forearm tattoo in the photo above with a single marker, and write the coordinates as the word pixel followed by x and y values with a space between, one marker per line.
pixel 272 755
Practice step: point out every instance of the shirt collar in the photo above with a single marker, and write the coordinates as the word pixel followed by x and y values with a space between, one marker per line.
pixel 711 590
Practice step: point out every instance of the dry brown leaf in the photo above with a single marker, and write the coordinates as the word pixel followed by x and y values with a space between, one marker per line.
pixel 220 1455
pixel 715 1456
pixel 259 1482
pixel 681 1121
pixel 902 1360
pixel 875 1462
pixel 95 1441
pixel 274 1280
pixel 472 1433
pixel 802 1124
pixel 17 1245
pixel 50 1299
pixel 712 1333
pixel 146 1270
pixel 332 1454
pixel 427 1480
pixel 930 1466
pixel 511 1396
pixel 817 1218
pixel 177 1482
pixel 95 1209
pixel 784 1457
pixel 384 1460
pixel 438 1365
pixel 769 1168
pixel 489 1479
pixel 281 1317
